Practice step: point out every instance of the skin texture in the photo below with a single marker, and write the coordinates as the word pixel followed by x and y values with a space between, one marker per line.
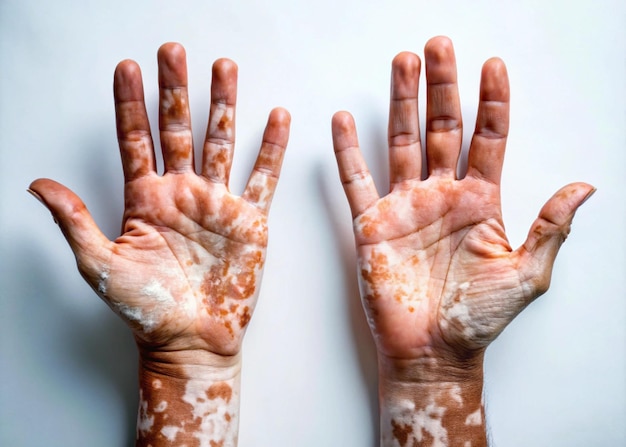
pixel 439 280
pixel 186 271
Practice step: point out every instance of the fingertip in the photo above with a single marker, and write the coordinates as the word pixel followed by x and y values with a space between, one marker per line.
pixel 575 194
pixel 34 183
pixel 342 122
pixel 277 129
pixel 43 187
pixel 405 71
pixel 33 189
pixel 224 68
pixel 62 203
pixel 438 48
pixel 440 61
pixel 494 81
pixel 172 60
pixel 224 82
pixel 562 206
pixel 127 83
pixel 171 51
pixel 406 61
pixel 127 67
pixel 588 190
pixel 494 64
pixel 280 116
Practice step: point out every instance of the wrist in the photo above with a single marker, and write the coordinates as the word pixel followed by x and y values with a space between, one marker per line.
pixel 189 363
pixel 427 402
pixel 430 367
pixel 188 398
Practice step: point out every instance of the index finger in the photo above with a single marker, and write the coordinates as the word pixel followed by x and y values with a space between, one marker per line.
pixel 444 127
pixel 133 128
pixel 405 150
pixel 264 177
pixel 355 177
pixel 219 144
pixel 486 154
pixel 174 114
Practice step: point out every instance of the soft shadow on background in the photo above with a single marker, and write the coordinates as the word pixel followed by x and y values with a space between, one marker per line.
pixel 362 341
pixel 65 337
pixel 72 327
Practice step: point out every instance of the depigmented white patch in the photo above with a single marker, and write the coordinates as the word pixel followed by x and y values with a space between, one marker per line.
pixel 467 444
pixel 144 420
pixel 460 312
pixel 149 316
pixel 260 182
pixel 161 407
pixel 218 417
pixel 455 394
pixel 404 284
pixel 427 419
pixel 170 432
pixel 476 418
pixel 218 112
pixel 156 291
pixel 102 280
pixel 362 182
pixel 132 313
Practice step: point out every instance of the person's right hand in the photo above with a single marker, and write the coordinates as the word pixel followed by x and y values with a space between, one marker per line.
pixel 185 273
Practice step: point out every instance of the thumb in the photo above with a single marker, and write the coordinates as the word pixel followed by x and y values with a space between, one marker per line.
pixel 90 246
pixel 548 232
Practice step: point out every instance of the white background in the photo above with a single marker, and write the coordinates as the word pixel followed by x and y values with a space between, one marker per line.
pixel 556 376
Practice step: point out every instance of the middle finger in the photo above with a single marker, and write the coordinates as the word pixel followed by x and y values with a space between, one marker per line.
pixel 444 126
pixel 174 115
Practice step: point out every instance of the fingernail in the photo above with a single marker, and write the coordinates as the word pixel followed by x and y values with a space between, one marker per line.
pixel 36 196
pixel 589 194
pixel 40 199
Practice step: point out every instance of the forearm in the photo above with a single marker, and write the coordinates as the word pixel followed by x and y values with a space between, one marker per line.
pixel 418 408
pixel 191 401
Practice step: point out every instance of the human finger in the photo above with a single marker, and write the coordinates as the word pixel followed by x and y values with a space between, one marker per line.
pixel 547 234
pixel 264 177
pixel 486 154
pixel 219 144
pixel 91 248
pixel 133 128
pixel 174 115
pixel 355 177
pixel 444 125
pixel 405 150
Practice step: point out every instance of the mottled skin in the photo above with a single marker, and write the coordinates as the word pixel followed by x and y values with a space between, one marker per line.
pixel 439 280
pixel 185 273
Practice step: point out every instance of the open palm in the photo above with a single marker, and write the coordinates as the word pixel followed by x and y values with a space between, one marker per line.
pixel 186 271
pixel 437 274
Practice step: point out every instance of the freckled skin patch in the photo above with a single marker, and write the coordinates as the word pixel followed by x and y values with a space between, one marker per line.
pixel 429 415
pixel 209 267
pixel 196 412
pixel 432 279
pixel 475 418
